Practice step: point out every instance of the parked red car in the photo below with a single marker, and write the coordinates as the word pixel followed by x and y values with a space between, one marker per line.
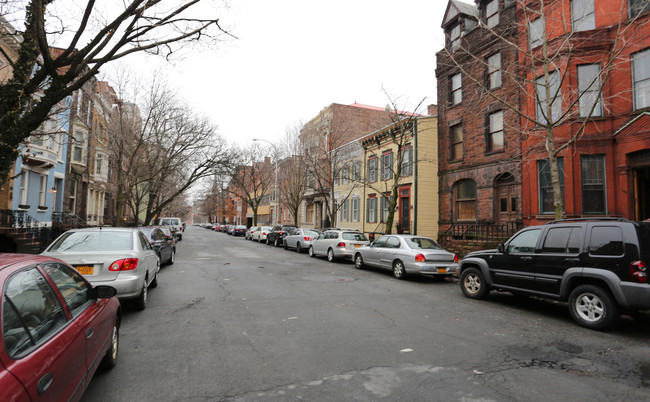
pixel 57 329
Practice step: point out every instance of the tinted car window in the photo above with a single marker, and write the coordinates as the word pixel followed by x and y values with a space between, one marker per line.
pixel 31 312
pixel 354 236
pixel 93 241
pixel 423 243
pixel 143 241
pixel 606 240
pixel 76 292
pixel 562 240
pixel 524 242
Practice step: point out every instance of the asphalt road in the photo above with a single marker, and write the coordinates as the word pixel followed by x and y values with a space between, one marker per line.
pixel 234 320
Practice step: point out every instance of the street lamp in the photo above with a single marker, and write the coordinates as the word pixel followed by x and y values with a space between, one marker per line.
pixel 275 187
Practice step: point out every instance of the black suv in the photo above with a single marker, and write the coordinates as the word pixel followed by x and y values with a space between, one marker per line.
pixel 277 235
pixel 597 265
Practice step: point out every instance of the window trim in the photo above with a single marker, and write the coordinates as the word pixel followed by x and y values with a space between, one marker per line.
pixel 491 133
pixel 589 16
pixel 453 89
pixel 494 14
pixel 452 154
pixel 598 110
pixel 494 72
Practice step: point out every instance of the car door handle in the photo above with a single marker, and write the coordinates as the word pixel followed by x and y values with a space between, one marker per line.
pixel 89 333
pixel 526 258
pixel 44 383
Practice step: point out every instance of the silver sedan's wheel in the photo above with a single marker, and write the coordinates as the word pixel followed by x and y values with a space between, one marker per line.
pixel 298 248
pixel 398 269
pixel 358 261
pixel 330 255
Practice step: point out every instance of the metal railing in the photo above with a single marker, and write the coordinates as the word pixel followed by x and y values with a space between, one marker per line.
pixel 479 231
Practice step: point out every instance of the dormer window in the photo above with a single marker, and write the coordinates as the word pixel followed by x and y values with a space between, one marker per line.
pixel 454 37
pixel 492 13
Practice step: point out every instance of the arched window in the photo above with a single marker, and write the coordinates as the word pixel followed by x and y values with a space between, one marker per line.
pixel 465 200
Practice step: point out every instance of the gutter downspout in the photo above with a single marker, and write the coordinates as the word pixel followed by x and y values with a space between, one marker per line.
pixel 415 201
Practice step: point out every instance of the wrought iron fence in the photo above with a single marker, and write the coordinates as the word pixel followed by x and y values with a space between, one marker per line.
pixel 479 231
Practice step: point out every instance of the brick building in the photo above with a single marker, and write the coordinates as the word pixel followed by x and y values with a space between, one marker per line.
pixel 600 84
pixel 479 135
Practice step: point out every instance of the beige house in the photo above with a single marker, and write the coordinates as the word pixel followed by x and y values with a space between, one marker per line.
pixel 413 171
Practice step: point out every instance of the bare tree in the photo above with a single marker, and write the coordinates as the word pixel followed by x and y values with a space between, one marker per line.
pixel 163 151
pixel 251 176
pixel 397 137
pixel 292 180
pixel 42 77
pixel 549 42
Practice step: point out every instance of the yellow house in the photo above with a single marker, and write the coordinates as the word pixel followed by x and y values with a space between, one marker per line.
pixel 413 171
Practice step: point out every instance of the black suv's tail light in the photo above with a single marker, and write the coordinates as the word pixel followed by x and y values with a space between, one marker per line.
pixel 639 271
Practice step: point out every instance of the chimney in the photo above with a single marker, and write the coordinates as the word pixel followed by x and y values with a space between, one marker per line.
pixel 432 110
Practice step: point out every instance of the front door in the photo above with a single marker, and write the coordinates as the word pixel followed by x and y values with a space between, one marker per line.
pixel 641 193
pixel 405 210
pixel 505 200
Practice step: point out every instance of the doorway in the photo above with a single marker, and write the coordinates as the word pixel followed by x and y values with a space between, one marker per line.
pixel 641 177
pixel 505 199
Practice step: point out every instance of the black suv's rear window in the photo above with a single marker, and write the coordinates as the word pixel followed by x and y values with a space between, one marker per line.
pixel 606 240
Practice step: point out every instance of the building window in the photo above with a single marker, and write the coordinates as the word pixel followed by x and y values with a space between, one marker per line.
pixel 553 86
pixel 546 186
pixel 371 209
pixel 583 16
pixel 456 89
pixel 641 77
pixel 637 7
pixel 42 191
pixel 494 71
pixel 387 165
pixel 373 163
pixel 346 173
pixel 344 211
pixel 465 200
pixel 492 13
pixel 355 210
pixel 73 197
pixel 407 161
pixel 495 134
pixel 589 90
pixel 536 32
pixel 78 147
pixel 24 185
pixel 594 199
pixel 98 164
pixel 356 170
pixel 454 37
pixel 456 142
pixel 384 204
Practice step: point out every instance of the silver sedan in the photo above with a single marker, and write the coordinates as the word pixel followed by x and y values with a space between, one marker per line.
pixel 406 254
pixel 119 257
pixel 300 239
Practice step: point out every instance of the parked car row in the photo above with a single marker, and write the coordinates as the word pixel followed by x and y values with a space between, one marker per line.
pixel 599 266
pixel 52 303
pixel 403 254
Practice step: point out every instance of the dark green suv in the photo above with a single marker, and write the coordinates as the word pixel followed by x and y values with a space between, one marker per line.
pixel 599 266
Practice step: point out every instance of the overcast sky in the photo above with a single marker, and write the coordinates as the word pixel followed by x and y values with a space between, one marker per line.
pixel 293 58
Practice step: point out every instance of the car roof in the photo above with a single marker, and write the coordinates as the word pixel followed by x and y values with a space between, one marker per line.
pixel 104 229
pixel 9 259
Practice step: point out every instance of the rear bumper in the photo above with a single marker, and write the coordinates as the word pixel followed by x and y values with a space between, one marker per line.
pixel 637 295
pixel 127 285
pixel 432 268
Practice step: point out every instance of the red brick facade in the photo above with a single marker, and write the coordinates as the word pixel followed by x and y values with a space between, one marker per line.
pixel 491 173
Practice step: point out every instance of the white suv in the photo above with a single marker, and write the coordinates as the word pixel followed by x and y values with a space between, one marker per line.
pixel 337 243
pixel 176 225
